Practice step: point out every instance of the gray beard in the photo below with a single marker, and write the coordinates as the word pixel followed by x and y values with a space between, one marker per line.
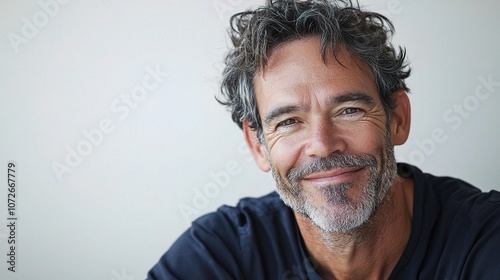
pixel 340 214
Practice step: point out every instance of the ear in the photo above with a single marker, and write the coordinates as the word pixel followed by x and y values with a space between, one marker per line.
pixel 256 148
pixel 401 118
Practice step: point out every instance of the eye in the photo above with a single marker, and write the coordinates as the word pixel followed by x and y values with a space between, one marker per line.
pixel 287 122
pixel 350 111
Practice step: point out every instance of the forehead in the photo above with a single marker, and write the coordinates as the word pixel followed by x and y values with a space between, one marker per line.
pixel 297 68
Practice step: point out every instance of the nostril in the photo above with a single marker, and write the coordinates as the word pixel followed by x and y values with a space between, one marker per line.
pixel 324 141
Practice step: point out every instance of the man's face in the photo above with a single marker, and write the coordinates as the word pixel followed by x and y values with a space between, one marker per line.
pixel 326 134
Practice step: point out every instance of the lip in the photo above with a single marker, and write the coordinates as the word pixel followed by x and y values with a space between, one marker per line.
pixel 334 174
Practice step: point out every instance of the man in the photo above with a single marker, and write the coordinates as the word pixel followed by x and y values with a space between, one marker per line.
pixel 320 95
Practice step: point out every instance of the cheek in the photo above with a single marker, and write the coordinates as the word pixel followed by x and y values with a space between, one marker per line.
pixel 285 155
pixel 366 139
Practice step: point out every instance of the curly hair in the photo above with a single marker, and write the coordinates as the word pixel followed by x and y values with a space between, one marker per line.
pixel 255 34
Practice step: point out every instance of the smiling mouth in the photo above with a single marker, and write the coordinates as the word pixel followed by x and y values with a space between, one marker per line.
pixel 332 175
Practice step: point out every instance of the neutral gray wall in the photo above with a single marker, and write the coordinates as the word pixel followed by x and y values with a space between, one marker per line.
pixel 67 69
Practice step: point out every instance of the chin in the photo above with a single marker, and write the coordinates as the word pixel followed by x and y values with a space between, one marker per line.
pixel 340 214
pixel 338 218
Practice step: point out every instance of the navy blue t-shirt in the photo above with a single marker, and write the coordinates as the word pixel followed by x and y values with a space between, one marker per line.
pixel 455 235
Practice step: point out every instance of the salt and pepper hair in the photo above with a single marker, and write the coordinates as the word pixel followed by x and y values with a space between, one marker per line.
pixel 339 24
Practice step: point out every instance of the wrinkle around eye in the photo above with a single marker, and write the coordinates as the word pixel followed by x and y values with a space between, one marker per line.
pixel 351 113
pixel 356 110
pixel 287 123
pixel 281 130
pixel 272 137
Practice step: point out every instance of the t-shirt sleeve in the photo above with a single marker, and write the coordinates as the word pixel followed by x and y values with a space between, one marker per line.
pixel 483 261
pixel 208 250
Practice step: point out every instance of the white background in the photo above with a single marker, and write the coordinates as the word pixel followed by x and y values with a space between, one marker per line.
pixel 119 209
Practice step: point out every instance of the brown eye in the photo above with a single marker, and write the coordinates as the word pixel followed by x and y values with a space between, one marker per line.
pixel 287 122
pixel 350 111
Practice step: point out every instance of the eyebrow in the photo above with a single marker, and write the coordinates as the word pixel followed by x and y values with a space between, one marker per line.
pixel 275 113
pixel 343 98
pixel 354 96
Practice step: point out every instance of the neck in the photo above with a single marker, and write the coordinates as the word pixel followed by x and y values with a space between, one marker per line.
pixel 370 251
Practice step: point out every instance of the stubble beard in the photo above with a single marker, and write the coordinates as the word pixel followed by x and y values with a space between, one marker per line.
pixel 340 213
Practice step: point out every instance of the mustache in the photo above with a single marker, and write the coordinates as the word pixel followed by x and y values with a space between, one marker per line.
pixel 331 162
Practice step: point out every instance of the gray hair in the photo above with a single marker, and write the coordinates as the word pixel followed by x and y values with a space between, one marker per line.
pixel 255 34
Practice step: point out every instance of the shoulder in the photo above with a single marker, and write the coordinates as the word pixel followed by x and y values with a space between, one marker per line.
pixel 452 194
pixel 455 229
pixel 261 206
pixel 222 244
pixel 242 217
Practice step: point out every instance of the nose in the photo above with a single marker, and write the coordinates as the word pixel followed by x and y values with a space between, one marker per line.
pixel 324 140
